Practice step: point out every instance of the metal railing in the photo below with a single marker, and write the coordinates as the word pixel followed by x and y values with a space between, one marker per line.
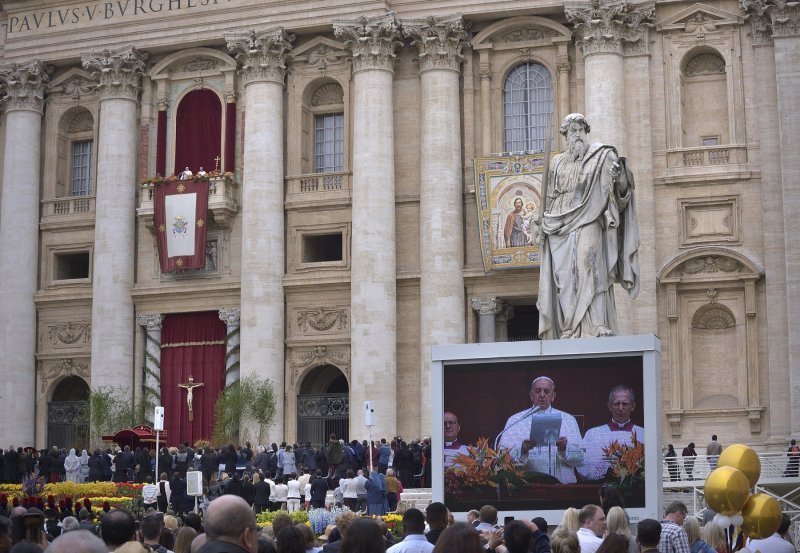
pixel 773 466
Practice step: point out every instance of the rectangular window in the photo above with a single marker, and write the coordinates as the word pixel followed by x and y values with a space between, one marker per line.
pixel 71 266
pixel 710 140
pixel 81 168
pixel 329 143
pixel 321 248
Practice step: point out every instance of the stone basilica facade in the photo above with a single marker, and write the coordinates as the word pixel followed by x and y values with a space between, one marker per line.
pixel 345 242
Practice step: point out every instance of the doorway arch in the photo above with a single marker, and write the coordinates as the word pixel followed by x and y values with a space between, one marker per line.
pixel 323 405
pixel 68 414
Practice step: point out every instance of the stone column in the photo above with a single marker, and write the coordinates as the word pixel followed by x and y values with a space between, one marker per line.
pixel 119 74
pixel 373 291
pixel 152 323
pixel 781 19
pixel 487 309
pixel 603 30
pixel 262 56
pixel 485 71
pixel 231 319
pixel 501 322
pixel 19 246
pixel 442 312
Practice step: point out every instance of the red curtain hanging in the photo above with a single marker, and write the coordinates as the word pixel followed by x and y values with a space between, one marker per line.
pixel 198 131
pixel 192 344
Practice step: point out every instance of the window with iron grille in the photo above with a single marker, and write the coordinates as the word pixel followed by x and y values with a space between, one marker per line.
pixel 527 107
pixel 81 168
pixel 329 143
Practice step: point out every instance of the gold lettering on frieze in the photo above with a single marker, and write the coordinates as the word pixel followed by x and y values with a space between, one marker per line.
pixel 99 12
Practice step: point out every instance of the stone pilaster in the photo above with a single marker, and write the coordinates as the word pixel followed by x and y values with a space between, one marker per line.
pixel 442 312
pixel 152 323
pixel 606 32
pixel 118 74
pixel 373 289
pixel 231 318
pixel 262 56
pixel 780 19
pixel 488 309
pixel 24 86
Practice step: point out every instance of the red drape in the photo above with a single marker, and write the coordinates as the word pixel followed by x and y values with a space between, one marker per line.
pixel 192 344
pixel 230 137
pixel 161 144
pixel 198 131
pixel 164 227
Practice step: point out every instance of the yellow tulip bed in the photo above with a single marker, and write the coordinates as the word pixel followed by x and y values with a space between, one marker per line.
pixel 109 494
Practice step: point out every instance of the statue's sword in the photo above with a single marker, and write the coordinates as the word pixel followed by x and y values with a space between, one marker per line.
pixel 545 176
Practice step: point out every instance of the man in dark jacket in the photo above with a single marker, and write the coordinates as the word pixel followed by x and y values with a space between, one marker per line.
pixel 272 461
pixel 319 489
pixel 10 462
pixel 95 466
pixel 45 464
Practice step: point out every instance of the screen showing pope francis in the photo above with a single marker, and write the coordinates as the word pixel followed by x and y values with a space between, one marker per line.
pixel 544 434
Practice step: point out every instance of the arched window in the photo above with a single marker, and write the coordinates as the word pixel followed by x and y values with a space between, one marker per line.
pixel 527 107
pixel 704 93
pixel 198 131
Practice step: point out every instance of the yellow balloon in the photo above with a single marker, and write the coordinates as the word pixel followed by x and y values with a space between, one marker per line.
pixel 743 458
pixel 762 516
pixel 726 490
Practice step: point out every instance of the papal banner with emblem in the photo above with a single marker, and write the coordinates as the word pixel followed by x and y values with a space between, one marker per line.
pixel 508 193
pixel 180 217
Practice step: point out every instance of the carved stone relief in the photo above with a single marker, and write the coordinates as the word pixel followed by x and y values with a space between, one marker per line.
pixel 710 264
pixel 713 316
pixel 303 358
pixel 327 94
pixel 78 87
pixel 200 64
pixel 81 122
pixel 69 334
pixel 526 34
pixel 709 220
pixel 322 56
pixel 52 370
pixel 705 64
pixel 322 320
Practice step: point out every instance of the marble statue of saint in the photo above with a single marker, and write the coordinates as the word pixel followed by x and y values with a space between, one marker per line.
pixel 589 237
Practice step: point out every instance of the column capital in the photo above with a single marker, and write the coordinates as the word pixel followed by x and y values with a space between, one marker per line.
pixel 261 53
pixel 487 306
pixel 439 41
pixel 24 85
pixel 151 321
pixel 230 316
pixel 772 18
pixel 118 72
pixel 373 41
pixel 612 28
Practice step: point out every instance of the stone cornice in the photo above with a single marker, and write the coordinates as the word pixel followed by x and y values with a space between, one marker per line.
pixel 262 54
pixel 24 85
pixel 373 41
pixel 772 18
pixel 612 28
pixel 118 72
pixel 439 41
pixel 151 321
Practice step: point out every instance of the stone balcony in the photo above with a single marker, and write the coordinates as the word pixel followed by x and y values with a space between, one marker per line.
pixel 705 163
pixel 222 202
pixel 73 211
pixel 318 189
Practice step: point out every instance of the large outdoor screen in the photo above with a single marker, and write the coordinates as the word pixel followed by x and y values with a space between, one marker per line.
pixel 535 427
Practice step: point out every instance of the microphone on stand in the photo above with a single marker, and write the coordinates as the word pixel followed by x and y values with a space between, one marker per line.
pixel 515 423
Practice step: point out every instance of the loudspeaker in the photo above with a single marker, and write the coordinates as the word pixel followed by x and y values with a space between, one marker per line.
pixel 368 413
pixel 158 419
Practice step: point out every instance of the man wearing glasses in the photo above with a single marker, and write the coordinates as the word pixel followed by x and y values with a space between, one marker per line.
pixel 230 527
pixel 621 404
pixel 452 446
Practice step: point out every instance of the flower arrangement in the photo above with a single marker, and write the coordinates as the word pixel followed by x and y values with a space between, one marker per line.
pixel 158 180
pixel 395 523
pixel 202 444
pixel 482 466
pixel 321 518
pixel 627 462
pixel 266 517
pixel 32 485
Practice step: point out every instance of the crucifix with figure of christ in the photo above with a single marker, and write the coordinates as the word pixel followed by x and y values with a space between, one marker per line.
pixel 190 386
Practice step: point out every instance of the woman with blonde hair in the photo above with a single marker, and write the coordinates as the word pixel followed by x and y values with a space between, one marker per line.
pixel 565 540
pixel 617 521
pixel 183 539
pixel 715 537
pixel 693 532
pixel 570 519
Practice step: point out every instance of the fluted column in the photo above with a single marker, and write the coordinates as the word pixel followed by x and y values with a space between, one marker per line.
pixel 373 292
pixel 780 21
pixel 152 323
pixel 119 75
pixel 262 56
pixel 487 309
pixel 442 312
pixel 602 31
pixel 24 86
pixel 231 318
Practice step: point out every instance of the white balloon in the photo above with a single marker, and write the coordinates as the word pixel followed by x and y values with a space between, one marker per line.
pixel 737 519
pixel 722 521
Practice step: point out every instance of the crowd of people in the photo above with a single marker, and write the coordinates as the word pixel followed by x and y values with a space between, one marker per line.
pixel 229 525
